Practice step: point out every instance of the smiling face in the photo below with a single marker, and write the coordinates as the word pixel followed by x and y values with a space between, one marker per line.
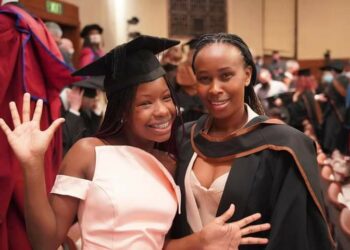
pixel 153 112
pixel 222 76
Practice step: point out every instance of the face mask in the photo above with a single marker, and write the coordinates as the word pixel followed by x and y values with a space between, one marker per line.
pixel 327 78
pixel 71 51
pixel 96 38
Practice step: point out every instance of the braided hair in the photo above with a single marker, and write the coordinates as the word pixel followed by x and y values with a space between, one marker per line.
pixel 249 94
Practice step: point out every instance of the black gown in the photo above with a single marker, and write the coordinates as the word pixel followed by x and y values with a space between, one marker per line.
pixel 78 127
pixel 274 172
pixel 335 135
pixel 305 108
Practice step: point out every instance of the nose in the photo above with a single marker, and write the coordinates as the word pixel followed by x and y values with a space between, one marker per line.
pixel 161 109
pixel 215 87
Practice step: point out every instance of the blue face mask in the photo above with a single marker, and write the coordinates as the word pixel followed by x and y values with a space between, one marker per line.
pixel 327 78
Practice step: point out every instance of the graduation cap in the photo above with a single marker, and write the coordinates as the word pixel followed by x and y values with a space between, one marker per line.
pixel 129 64
pixel 336 65
pixel 192 43
pixel 90 85
pixel 304 72
pixel 286 98
pixel 90 27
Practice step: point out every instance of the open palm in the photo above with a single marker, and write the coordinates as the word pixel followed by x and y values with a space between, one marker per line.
pixel 27 140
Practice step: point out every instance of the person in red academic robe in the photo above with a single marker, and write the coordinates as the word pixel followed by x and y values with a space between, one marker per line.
pixel 30 61
pixel 92 46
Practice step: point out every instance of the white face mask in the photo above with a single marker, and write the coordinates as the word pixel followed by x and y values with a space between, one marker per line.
pixel 327 78
pixel 71 51
pixel 95 38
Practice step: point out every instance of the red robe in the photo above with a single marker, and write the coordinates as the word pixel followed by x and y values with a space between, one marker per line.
pixel 88 56
pixel 30 61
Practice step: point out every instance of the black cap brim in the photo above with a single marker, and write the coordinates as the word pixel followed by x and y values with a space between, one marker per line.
pixel 95 82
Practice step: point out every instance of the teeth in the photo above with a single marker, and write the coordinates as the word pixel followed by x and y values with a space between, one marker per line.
pixel 218 102
pixel 161 126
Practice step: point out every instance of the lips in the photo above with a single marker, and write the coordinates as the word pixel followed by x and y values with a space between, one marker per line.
pixel 218 102
pixel 218 105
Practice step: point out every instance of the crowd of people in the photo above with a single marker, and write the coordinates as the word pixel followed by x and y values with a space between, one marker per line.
pixel 158 144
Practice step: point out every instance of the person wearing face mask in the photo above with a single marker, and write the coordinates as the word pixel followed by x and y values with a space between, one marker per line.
pixel 92 45
pixel 334 133
pixel 329 72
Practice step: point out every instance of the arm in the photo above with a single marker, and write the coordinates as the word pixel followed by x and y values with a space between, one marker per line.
pixel 47 221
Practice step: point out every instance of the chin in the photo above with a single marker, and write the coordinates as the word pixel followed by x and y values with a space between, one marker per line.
pixel 161 138
pixel 220 115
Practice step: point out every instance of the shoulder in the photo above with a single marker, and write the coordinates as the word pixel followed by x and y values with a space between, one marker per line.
pixel 184 131
pixel 286 135
pixel 167 161
pixel 80 159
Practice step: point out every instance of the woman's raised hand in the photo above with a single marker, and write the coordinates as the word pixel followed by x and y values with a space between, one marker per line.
pixel 27 141
pixel 221 235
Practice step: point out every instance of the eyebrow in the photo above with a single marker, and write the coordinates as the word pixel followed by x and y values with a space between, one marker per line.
pixel 220 70
pixel 150 95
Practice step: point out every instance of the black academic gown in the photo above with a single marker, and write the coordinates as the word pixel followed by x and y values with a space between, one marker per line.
pixel 78 127
pixel 274 172
pixel 305 108
pixel 335 135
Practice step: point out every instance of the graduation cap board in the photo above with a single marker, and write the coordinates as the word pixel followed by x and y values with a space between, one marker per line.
pixel 129 64
pixel 336 65
pixel 90 27
pixel 304 72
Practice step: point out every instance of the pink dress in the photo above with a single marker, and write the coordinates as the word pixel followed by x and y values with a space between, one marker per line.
pixel 129 204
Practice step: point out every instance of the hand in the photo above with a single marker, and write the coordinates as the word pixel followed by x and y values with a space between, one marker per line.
pixel 221 235
pixel 28 142
pixel 321 98
pixel 278 102
pixel 75 98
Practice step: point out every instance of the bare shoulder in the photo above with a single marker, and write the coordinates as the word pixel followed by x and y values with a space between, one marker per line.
pixel 80 159
pixel 166 160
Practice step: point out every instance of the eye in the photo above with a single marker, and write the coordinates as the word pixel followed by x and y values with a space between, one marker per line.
pixel 167 98
pixel 204 79
pixel 226 76
pixel 144 104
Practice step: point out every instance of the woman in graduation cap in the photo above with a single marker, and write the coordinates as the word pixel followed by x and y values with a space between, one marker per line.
pixel 236 155
pixel 92 44
pixel 123 197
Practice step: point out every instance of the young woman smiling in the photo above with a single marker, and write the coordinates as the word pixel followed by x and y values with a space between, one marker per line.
pixel 236 155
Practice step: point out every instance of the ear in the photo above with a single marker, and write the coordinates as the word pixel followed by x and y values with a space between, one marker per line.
pixel 248 72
